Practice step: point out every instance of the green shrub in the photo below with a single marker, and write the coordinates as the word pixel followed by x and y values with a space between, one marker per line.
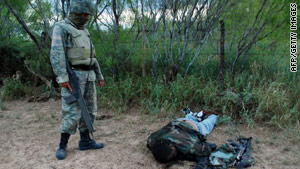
pixel 14 89
pixel 2 105
pixel 247 98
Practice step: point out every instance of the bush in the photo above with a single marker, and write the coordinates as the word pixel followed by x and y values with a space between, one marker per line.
pixel 247 98
pixel 10 60
pixel 2 106
pixel 14 89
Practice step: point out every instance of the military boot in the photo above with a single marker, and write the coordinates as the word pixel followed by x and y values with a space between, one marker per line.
pixel 87 143
pixel 200 115
pixel 61 152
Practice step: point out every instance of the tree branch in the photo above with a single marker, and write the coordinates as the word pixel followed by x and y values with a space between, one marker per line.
pixel 24 25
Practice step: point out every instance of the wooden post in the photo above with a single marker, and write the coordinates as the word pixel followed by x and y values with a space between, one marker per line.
pixel 144 42
pixel 63 8
pixel 222 54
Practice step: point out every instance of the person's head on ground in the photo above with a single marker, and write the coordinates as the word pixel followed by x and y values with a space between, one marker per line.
pixel 164 151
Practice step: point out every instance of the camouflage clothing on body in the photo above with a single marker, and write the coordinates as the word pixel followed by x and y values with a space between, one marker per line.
pixel 188 142
pixel 81 6
pixel 71 114
pixel 62 35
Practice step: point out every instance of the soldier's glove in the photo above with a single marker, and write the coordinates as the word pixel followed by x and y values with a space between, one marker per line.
pixel 100 83
pixel 66 85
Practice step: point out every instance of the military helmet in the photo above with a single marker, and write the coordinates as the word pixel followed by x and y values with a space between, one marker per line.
pixel 81 6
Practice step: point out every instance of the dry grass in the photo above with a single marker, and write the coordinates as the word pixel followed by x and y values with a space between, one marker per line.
pixel 30 135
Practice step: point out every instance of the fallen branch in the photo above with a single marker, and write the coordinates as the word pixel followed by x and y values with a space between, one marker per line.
pixel 43 78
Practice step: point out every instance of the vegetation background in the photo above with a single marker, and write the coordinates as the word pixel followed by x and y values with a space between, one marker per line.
pixel 165 55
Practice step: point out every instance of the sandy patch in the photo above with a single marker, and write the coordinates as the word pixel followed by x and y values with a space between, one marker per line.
pixel 30 135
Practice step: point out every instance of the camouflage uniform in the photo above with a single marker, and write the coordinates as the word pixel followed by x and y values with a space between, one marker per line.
pixel 71 114
pixel 71 42
pixel 188 142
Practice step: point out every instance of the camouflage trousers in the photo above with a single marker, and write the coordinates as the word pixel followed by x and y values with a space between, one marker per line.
pixel 71 113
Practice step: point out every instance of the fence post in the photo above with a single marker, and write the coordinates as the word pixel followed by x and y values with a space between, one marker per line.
pixel 222 54
pixel 144 43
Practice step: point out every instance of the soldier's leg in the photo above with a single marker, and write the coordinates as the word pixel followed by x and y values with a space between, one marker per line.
pixel 91 103
pixel 71 114
pixel 86 142
pixel 70 117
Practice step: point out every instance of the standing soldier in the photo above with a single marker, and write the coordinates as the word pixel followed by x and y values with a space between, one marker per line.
pixel 70 38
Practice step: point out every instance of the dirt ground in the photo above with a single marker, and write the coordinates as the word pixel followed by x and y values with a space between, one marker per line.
pixel 30 135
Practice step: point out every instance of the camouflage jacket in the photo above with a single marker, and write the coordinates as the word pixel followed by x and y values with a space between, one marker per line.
pixel 188 142
pixel 57 56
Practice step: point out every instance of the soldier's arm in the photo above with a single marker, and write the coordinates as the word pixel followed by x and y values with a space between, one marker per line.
pixel 97 70
pixel 57 55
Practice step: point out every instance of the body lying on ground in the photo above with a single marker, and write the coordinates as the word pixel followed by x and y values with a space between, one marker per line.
pixel 182 139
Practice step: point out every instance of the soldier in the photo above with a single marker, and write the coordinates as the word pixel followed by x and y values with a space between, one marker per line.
pixel 71 38
pixel 182 139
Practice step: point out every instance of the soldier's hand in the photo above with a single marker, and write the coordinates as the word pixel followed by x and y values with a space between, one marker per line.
pixel 66 85
pixel 100 83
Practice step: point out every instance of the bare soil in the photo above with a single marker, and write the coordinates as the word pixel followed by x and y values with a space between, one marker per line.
pixel 30 136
